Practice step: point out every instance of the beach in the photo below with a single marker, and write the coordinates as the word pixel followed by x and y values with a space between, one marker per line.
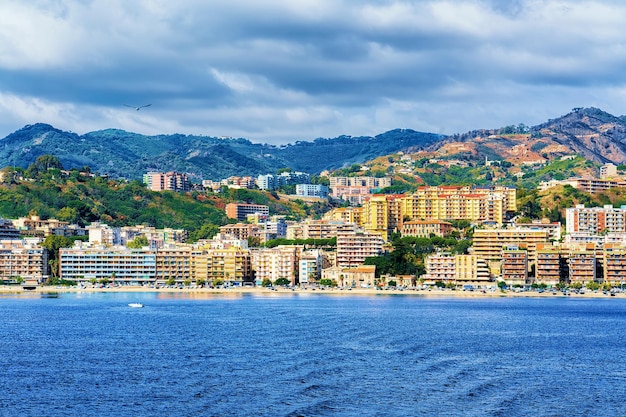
pixel 432 292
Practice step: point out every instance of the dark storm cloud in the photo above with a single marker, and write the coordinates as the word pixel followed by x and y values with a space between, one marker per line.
pixel 282 71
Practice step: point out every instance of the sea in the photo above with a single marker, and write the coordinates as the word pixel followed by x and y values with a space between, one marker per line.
pixel 310 354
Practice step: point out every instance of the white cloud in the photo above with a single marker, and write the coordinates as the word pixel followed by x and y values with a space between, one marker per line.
pixel 285 70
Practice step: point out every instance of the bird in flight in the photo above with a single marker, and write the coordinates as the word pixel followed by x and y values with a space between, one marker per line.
pixel 138 108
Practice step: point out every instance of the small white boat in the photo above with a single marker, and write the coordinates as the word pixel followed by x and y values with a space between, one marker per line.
pixel 135 305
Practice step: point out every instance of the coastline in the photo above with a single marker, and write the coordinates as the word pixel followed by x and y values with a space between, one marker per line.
pixel 7 290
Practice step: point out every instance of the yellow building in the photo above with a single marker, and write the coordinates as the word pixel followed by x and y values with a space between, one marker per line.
pixel 173 262
pixel 345 214
pixel 471 269
pixel 382 214
pixel 614 264
pixel 488 243
pixel 486 204
pixel 232 265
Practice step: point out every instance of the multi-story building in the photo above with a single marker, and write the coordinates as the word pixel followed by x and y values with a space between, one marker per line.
pixel 356 189
pixel 514 265
pixel 345 214
pixel 312 190
pixel 471 269
pixel 241 231
pixel 232 265
pixel 382 214
pixel 582 266
pixel 614 264
pixel 173 262
pixel 272 182
pixel 488 243
pixel 240 211
pixel 167 181
pixel 550 266
pixel 103 234
pixel 23 258
pixel 595 220
pixel 274 263
pixel 354 248
pixel 8 230
pixel 597 185
pixel 319 229
pixel 440 267
pixel 34 226
pixel 426 228
pixel 117 264
pixel 310 266
pixel 485 204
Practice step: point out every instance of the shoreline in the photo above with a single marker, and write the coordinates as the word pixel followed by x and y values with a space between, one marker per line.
pixel 7 290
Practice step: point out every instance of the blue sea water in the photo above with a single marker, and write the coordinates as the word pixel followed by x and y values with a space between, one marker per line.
pixel 89 354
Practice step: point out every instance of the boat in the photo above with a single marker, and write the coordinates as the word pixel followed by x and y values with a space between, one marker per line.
pixel 135 305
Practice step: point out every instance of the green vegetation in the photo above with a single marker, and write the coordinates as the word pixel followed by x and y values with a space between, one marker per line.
pixel 282 281
pixel 408 253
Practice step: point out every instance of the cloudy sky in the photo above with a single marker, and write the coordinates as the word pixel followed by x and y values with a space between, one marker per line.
pixel 285 70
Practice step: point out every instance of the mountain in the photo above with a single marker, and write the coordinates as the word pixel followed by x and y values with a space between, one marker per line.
pixel 122 154
pixel 589 132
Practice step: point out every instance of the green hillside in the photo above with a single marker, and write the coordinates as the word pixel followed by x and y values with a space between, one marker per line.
pixel 82 199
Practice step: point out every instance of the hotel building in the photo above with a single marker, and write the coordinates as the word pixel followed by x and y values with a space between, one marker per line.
pixel 354 248
pixel 240 211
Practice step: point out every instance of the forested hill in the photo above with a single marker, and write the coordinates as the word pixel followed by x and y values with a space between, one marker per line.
pixel 83 199
pixel 122 154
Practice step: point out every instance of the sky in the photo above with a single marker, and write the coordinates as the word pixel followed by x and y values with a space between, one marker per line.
pixel 282 71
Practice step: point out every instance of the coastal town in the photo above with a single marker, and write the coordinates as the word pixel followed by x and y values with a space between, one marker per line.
pixel 336 250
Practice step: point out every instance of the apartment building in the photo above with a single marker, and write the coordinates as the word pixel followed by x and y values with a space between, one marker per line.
pixel 310 266
pixel 355 190
pixel 488 243
pixel 173 262
pixel 118 264
pixel 34 226
pixel 312 190
pixel 426 228
pixel 456 203
pixel 273 263
pixel 595 220
pixel 471 269
pixel 440 267
pixel 241 231
pixel 272 182
pixel 614 264
pixel 240 211
pixel 232 264
pixel 8 230
pixel 514 266
pixel 382 214
pixel 345 214
pixel 354 248
pixel 582 266
pixel 319 229
pixel 167 181
pixel 550 265
pixel 23 258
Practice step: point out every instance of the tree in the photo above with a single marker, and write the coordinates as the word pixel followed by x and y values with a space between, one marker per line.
pixel 392 283
pixel 502 285
pixel 282 281
pixel 42 164
pixel 138 242
pixel 53 243
pixel 170 281
pixel 326 282
pixel 266 282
